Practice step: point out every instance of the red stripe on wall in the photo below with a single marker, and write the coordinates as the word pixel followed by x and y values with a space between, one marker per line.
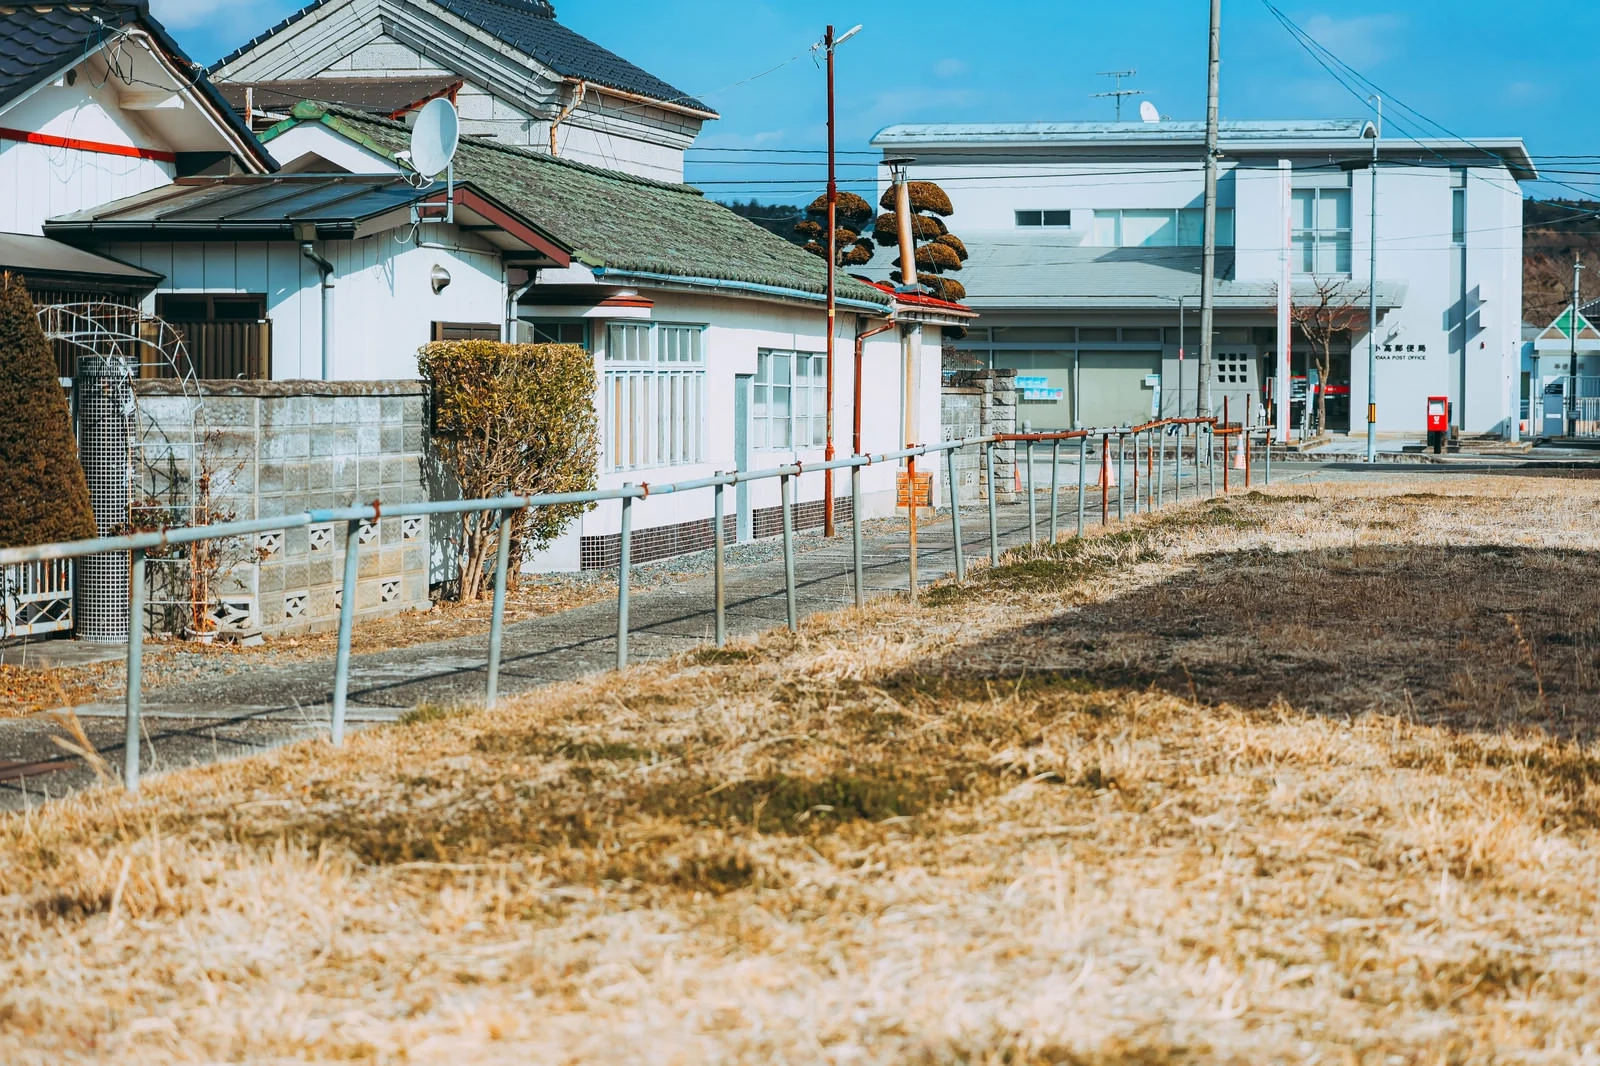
pixel 98 147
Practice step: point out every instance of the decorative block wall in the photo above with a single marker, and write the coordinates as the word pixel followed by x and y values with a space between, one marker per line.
pixel 281 447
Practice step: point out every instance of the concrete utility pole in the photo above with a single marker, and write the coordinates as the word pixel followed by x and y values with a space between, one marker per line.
pixel 1372 297
pixel 1572 335
pixel 1208 267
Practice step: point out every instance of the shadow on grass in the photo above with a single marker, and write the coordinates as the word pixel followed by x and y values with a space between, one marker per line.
pixel 1475 637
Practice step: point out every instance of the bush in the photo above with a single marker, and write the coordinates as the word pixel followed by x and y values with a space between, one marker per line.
pixel 43 495
pixel 512 420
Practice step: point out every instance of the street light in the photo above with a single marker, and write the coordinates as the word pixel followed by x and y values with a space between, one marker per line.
pixel 1373 131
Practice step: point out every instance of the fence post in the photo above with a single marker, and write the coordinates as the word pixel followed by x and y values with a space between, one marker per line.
pixel 135 682
pixel 1268 462
pixel 1122 477
pixel 994 518
pixel 788 555
pixel 855 535
pixel 1198 491
pixel 1033 503
pixel 1150 467
pixel 1211 456
pixel 955 514
pixel 1055 488
pixel 624 569
pixel 1105 480
pixel 719 575
pixel 1136 473
pixel 347 621
pixel 1083 465
pixel 497 618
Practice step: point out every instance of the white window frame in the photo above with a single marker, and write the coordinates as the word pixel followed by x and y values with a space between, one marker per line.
pixel 654 395
pixel 800 422
pixel 1108 227
pixel 1329 245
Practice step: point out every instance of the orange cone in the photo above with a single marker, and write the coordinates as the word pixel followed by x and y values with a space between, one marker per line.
pixel 1238 455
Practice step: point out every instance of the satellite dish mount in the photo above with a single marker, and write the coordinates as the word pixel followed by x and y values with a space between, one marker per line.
pixel 434 140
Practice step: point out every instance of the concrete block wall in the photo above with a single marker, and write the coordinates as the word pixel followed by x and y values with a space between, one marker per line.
pixel 281 447
pixel 990 396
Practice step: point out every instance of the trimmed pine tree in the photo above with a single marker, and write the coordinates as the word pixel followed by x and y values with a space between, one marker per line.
pixel 43 495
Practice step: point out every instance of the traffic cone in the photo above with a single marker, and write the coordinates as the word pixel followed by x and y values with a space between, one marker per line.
pixel 1108 475
pixel 1238 456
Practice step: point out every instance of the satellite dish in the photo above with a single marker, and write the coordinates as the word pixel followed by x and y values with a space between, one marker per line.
pixel 435 137
pixel 1148 112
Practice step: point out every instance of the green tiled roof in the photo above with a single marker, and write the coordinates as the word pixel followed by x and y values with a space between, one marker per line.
pixel 613 221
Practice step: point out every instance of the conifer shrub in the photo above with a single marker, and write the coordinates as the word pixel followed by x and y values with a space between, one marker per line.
pixel 44 497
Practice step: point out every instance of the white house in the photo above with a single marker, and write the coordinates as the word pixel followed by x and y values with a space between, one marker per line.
pixel 97 102
pixel 708 333
pixel 516 74
pixel 1085 261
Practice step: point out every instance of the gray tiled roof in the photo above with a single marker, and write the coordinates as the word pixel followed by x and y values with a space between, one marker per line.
pixel 615 223
pixel 530 27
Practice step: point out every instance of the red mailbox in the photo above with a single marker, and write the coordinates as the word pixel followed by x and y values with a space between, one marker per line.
pixel 1438 422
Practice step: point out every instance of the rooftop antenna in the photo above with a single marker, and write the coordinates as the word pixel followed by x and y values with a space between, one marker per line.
pixel 1119 92
pixel 434 140
pixel 1148 112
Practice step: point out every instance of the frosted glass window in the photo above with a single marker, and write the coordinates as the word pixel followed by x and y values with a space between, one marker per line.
pixel 1106 229
pixel 789 400
pixel 1149 229
pixel 654 396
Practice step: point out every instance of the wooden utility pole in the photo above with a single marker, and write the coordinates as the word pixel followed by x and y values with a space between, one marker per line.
pixel 1572 333
pixel 1208 268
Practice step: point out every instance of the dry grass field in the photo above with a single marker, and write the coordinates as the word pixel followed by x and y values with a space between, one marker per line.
pixel 1285 778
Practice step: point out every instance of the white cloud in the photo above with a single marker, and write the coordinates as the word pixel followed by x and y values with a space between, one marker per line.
pixel 187 14
pixel 950 68
pixel 1362 40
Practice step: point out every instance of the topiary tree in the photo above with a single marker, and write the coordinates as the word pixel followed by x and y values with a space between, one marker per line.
pixel 511 420
pixel 851 216
pixel 43 495
pixel 938 251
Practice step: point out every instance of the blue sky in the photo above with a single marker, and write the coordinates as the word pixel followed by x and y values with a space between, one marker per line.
pixel 1478 68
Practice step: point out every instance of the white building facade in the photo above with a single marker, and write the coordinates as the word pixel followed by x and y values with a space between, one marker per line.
pixel 1085 242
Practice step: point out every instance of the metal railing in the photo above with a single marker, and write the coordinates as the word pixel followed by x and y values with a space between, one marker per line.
pixel 1154 436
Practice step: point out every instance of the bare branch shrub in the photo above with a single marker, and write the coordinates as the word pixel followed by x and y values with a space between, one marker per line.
pixel 511 419
pixel 1337 307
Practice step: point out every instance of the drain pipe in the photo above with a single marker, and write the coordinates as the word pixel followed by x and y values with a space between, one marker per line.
pixel 514 300
pixel 326 269
pixel 855 413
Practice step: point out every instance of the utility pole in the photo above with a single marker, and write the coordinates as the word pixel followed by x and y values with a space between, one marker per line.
pixel 829 44
pixel 1119 92
pixel 1208 264
pixel 833 310
pixel 1372 297
pixel 1572 334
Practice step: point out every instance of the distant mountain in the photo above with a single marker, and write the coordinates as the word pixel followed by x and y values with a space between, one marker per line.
pixel 779 218
pixel 1553 232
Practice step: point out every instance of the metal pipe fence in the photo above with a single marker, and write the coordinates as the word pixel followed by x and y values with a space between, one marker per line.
pixel 142 546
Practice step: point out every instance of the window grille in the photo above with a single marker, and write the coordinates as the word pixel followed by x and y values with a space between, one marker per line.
pixel 655 396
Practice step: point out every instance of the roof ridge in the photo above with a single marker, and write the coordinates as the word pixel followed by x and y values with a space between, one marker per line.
pixel 350 114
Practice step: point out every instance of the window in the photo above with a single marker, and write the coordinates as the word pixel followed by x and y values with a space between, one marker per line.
pixel 655 395
pixel 1321 236
pixel 466 331
pixel 1458 217
pixel 790 401
pixel 1159 227
pixel 1044 218
pixel 226 336
pixel 557 332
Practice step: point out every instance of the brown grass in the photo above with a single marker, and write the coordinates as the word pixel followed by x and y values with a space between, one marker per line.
pixel 1269 780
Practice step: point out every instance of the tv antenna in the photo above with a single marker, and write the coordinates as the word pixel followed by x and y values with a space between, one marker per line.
pixel 1119 92
pixel 434 140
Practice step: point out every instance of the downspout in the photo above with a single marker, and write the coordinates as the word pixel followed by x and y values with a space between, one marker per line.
pixel 325 268
pixel 566 113
pixel 513 301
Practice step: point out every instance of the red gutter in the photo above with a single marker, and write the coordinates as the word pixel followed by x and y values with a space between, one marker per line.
pixel 97 147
